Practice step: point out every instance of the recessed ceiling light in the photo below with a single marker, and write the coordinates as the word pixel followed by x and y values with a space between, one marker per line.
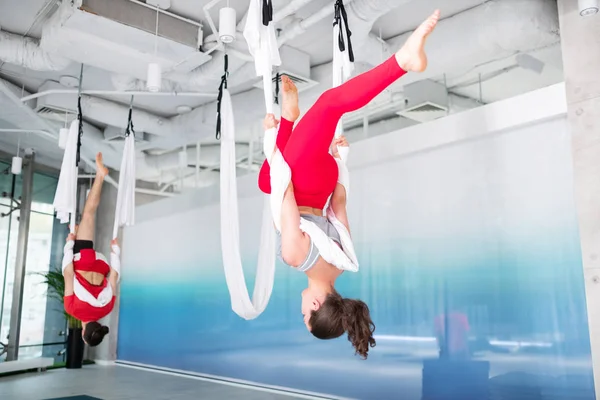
pixel 588 7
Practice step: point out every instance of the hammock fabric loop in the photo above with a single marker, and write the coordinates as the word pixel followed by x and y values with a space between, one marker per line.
pixel 277 78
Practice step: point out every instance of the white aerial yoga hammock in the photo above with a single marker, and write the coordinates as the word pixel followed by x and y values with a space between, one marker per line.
pixel 230 235
pixel 65 204
pixel 263 46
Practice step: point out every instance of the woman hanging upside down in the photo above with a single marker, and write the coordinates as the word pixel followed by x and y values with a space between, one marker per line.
pixel 90 283
pixel 314 178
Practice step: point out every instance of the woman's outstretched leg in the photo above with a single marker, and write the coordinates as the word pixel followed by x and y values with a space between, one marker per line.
pixel 317 127
pixel 307 151
pixel 87 226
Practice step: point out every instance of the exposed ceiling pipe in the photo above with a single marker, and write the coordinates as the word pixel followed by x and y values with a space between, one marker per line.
pixel 26 52
pixel 290 9
pixel 300 26
pixel 143 93
pixel 110 113
pixel 36 131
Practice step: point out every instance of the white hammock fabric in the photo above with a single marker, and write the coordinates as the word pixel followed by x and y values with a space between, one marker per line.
pixel 65 198
pixel 65 204
pixel 125 211
pixel 230 234
pixel 262 44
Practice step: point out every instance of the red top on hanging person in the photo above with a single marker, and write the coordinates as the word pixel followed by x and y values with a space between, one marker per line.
pixel 90 261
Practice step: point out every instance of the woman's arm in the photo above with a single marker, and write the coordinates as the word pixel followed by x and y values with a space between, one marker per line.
pixel 338 199
pixel 67 265
pixel 294 243
pixel 69 276
pixel 115 265
pixel 338 204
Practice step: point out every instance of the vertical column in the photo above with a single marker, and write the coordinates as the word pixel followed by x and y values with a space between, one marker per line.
pixel 580 37
pixel 17 303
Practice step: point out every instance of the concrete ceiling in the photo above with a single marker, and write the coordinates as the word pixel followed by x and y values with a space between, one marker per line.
pixel 499 79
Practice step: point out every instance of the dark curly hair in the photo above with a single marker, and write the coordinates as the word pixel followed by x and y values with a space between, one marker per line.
pixel 94 333
pixel 338 315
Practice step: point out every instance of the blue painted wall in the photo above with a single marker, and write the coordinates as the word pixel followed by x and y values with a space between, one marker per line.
pixel 484 229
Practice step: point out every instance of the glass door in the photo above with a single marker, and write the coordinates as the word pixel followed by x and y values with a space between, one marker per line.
pixel 37 310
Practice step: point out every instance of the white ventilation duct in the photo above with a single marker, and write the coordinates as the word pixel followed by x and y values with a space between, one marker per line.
pixel 122 35
pixel 206 75
pixel 26 52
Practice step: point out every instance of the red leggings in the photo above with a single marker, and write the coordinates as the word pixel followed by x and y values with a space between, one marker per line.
pixel 306 150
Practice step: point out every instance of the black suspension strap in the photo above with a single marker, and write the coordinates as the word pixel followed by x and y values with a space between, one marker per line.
pixel 222 87
pixel 277 77
pixel 79 118
pixel 339 15
pixel 129 130
pixel 267 12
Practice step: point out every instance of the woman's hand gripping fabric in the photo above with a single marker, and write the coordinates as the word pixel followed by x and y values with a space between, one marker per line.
pixel 269 145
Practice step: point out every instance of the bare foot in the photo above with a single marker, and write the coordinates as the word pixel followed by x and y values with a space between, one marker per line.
pixel 289 107
pixel 411 57
pixel 101 170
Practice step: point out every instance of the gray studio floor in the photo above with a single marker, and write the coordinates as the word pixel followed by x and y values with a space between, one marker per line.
pixel 122 383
